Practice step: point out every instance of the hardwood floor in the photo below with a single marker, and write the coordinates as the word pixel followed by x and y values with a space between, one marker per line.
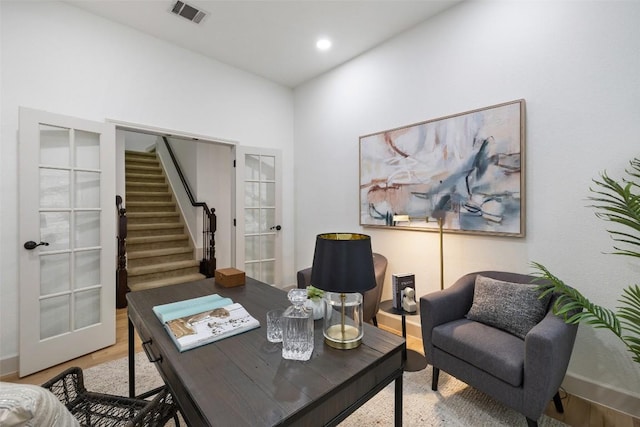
pixel 577 412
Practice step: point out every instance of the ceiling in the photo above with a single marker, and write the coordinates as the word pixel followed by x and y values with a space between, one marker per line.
pixel 274 39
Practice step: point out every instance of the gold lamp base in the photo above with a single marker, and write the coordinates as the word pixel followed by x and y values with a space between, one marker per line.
pixel 342 337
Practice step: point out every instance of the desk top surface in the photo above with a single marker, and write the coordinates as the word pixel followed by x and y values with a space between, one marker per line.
pixel 243 380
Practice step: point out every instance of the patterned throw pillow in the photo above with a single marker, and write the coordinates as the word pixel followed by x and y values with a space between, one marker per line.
pixel 513 307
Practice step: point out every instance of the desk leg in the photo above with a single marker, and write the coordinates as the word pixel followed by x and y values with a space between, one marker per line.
pixel 398 402
pixel 132 362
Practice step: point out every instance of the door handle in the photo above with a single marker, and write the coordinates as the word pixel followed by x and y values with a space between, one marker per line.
pixel 32 245
pixel 276 227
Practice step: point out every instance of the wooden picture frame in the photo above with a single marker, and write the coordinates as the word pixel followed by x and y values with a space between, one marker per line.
pixel 467 169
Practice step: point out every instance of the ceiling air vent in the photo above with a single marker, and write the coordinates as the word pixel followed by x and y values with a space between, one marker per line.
pixel 188 12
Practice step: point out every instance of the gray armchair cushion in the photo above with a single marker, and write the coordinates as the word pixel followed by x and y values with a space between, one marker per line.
pixel 476 343
pixel 513 307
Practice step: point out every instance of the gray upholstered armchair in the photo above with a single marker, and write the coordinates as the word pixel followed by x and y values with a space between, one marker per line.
pixel 371 298
pixel 523 372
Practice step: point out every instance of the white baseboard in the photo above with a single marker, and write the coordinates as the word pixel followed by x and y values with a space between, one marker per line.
pixel 585 388
pixel 8 366
pixel 619 400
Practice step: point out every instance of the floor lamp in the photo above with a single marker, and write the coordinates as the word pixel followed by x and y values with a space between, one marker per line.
pixel 439 216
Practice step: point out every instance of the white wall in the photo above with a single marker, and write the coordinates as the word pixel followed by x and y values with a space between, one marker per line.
pixel 577 65
pixel 58 58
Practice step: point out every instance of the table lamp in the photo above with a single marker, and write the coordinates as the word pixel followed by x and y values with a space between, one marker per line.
pixel 343 268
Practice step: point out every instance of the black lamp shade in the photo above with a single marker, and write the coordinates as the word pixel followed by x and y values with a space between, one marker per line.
pixel 343 262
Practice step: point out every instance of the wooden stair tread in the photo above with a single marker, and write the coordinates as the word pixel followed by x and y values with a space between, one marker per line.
pixel 133 183
pixel 148 193
pixel 146 203
pixel 151 214
pixel 155 226
pixel 132 176
pixel 150 253
pixel 153 239
pixel 159 268
pixel 167 282
pixel 155 166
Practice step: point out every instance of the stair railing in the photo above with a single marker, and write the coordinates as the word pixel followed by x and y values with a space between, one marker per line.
pixel 122 286
pixel 209 221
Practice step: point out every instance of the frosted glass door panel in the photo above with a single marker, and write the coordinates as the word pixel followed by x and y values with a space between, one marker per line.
pixel 87 229
pixel 268 271
pixel 267 168
pixel 252 194
pixel 54 229
pixel 87 269
pixel 55 273
pixel 268 245
pixel 267 219
pixel 87 308
pixel 55 146
pixel 87 190
pixel 268 194
pixel 251 220
pixel 252 167
pixel 55 316
pixel 54 188
pixel 87 153
pixel 252 270
pixel 252 248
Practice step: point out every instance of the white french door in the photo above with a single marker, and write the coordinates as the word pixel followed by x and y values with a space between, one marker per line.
pixel 67 231
pixel 258 202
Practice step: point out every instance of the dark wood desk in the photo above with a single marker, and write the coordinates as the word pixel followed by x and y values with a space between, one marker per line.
pixel 243 380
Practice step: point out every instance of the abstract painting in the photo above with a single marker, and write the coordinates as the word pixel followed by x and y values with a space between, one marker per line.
pixel 466 170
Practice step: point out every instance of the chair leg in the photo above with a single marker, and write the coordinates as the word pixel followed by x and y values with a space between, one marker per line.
pixel 434 379
pixel 375 321
pixel 531 423
pixel 557 401
pixel 176 420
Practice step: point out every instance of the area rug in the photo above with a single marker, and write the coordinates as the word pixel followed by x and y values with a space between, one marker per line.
pixel 454 404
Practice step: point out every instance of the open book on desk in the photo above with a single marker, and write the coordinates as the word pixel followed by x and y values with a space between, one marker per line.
pixel 204 321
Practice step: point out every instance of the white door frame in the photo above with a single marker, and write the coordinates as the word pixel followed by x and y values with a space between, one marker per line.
pixel 225 232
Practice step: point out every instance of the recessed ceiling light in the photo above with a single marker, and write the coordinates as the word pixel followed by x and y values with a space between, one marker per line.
pixel 323 44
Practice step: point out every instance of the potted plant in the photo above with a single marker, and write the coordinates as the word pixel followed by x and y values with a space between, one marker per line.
pixel 617 202
pixel 315 302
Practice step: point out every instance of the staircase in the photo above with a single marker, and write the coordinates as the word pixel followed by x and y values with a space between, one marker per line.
pixel 159 252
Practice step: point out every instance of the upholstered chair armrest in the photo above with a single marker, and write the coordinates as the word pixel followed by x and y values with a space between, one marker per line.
pixel 548 348
pixel 445 306
pixel 304 278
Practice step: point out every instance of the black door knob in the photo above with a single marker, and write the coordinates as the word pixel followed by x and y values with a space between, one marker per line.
pixel 32 245
pixel 276 227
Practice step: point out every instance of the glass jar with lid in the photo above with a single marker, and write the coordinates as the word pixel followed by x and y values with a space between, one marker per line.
pixel 297 328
